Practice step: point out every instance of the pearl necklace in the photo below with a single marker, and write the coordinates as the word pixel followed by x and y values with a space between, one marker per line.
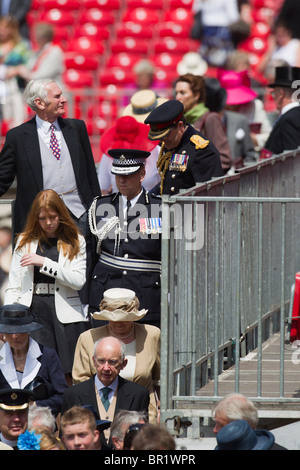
pixel 122 336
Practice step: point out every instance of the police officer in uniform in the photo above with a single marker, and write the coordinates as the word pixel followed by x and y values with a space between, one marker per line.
pixel 186 156
pixel 14 405
pixel 127 227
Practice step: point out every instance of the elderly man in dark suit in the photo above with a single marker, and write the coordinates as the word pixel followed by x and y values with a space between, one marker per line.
pixel 107 391
pixel 49 152
pixel 285 134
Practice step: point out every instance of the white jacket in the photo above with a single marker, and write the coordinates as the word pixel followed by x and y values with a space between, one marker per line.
pixel 70 276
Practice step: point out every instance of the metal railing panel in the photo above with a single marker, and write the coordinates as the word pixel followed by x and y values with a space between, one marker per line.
pixel 227 297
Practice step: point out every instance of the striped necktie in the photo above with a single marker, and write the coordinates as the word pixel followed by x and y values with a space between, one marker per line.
pixel 54 143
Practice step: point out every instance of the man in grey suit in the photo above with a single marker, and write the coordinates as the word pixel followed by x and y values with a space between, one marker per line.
pixel 50 152
pixel 107 391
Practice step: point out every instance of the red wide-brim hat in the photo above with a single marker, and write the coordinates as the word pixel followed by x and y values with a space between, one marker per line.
pixel 127 133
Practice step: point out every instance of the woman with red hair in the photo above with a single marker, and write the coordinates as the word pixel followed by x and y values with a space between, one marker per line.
pixel 47 271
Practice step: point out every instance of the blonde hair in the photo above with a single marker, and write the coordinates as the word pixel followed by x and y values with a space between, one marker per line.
pixel 76 415
pixel 48 440
pixel 68 239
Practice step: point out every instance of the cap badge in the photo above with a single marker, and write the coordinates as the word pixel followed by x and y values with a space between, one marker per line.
pixel 122 158
pixel 14 396
pixel 199 142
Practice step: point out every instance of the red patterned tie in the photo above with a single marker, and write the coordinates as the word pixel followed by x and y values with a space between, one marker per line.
pixel 54 144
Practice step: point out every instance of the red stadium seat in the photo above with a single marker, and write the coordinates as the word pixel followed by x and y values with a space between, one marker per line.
pixel 166 77
pixel 102 4
pixel 264 15
pixel 260 30
pixel 180 4
pixel 116 76
pixel 173 29
pixel 92 31
pixel 76 61
pixel 97 17
pixel 61 4
pixel 256 45
pixel 166 60
pixel 142 15
pixel 155 4
pixel 257 4
pixel 179 15
pixel 61 34
pixel 58 17
pixel 78 78
pixel 178 45
pixel 134 30
pixel 108 108
pixel 123 60
pixel 131 45
pixel 85 45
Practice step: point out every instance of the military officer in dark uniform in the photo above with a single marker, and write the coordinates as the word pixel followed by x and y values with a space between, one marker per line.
pixel 127 227
pixel 186 156
pixel 14 405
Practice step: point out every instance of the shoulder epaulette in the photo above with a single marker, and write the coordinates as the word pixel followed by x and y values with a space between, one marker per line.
pixel 199 142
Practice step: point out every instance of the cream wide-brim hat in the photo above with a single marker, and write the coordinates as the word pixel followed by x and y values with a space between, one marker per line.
pixel 122 297
pixel 193 63
pixel 141 104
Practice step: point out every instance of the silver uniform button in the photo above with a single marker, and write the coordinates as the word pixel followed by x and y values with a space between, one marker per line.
pixel 126 256
pixel 173 176
pixel 172 189
pixel 124 272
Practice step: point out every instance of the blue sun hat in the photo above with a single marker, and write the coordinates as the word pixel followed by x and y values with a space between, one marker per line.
pixel 238 435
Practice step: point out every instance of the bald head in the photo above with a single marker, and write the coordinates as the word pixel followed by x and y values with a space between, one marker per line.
pixel 109 359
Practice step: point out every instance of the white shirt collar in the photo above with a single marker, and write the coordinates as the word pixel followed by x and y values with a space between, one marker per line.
pixel 99 384
pixel 132 201
pixel 45 125
pixel 289 106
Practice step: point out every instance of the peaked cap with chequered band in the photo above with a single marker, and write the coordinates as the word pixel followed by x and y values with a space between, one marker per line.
pixel 127 161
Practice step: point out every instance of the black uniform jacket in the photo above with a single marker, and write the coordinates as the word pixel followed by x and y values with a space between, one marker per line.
pixel 130 244
pixel 201 164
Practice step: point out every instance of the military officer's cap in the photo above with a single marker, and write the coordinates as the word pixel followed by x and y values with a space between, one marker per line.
pixel 127 161
pixel 163 118
pixel 15 399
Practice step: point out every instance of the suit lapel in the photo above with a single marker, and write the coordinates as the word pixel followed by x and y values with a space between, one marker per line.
pixel 33 152
pixel 88 395
pixel 124 397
